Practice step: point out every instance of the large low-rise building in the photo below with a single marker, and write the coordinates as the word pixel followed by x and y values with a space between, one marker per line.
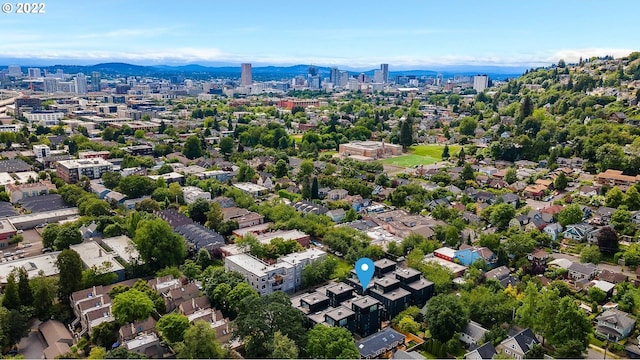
pixel 285 275
pixel 72 170
pixel 20 192
pixel 369 149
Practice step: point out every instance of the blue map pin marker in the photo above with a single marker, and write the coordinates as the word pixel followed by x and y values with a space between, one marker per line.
pixel 365 270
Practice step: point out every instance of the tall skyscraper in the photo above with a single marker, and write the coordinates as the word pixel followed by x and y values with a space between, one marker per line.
pixel 51 84
pixel 95 81
pixel 245 75
pixel 334 76
pixel 313 71
pixel 15 70
pixel 480 83
pixel 385 72
pixel 34 73
pixel 81 83
pixel 378 76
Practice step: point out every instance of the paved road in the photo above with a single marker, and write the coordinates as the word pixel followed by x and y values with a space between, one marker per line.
pixel 32 346
pixel 615 268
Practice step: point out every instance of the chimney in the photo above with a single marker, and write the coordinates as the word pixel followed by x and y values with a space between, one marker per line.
pixel 99 252
pixel 133 329
pixel 193 303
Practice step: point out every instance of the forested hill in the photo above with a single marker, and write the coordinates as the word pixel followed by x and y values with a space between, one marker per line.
pixel 589 110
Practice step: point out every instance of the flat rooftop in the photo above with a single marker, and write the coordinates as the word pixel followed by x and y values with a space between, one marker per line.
pixel 93 254
pixel 124 247
pixel 45 263
pixel 250 187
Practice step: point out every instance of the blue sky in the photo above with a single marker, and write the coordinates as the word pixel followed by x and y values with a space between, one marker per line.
pixel 349 33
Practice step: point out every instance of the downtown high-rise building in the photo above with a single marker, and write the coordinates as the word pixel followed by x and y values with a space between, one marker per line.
pixel 34 73
pixel 245 75
pixel 95 81
pixel 51 84
pixel 334 76
pixel 385 72
pixel 15 70
pixel 480 83
pixel 378 76
pixel 81 83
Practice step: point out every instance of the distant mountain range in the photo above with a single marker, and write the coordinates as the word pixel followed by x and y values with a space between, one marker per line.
pixel 263 73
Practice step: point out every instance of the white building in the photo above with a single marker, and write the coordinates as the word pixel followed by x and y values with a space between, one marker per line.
pixel 285 275
pixel 480 83
pixel 252 189
pixel 192 193
pixel 81 83
pixel 41 151
pixel 44 118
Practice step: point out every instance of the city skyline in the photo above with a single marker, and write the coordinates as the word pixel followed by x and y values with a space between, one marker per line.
pixel 409 34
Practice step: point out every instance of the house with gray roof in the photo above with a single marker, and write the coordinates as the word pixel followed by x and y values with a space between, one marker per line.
pixel 518 345
pixel 472 333
pixel 484 352
pixel 578 271
pixel 380 343
pixel 615 324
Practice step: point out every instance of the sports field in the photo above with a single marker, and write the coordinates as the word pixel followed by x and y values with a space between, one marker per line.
pixel 426 154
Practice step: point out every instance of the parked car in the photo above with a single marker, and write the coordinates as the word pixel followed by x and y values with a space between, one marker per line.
pixel 46 250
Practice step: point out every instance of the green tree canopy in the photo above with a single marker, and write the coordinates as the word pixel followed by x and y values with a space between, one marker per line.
pixel 329 342
pixel 131 305
pixel 200 343
pixel 70 268
pixel 445 316
pixel 158 245
pixel 192 148
pixel 172 327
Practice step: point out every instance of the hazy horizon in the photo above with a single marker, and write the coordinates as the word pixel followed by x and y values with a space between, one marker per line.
pixel 409 34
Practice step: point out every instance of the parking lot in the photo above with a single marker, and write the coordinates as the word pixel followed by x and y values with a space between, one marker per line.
pixel 30 246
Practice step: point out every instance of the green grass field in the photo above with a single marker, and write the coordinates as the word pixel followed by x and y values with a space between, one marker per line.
pixel 426 154
pixel 410 160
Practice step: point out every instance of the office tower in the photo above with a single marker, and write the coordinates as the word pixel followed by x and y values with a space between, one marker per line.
pixel 95 81
pixel 385 72
pixel 334 76
pixel 344 78
pixel 34 73
pixel 480 83
pixel 51 84
pixel 439 79
pixel 245 76
pixel 15 70
pixel 313 71
pixel 314 82
pixel 378 76
pixel 362 78
pixel 81 83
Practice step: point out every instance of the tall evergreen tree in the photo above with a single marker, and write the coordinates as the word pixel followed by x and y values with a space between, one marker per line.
pixel 70 266
pixel 461 156
pixel 445 152
pixel 526 108
pixel 406 134
pixel 11 299
pixel 314 188
pixel 24 289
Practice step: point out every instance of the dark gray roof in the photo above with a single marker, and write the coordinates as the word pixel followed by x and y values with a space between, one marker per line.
pixel 586 269
pixel 380 342
pixel 361 225
pixel 474 330
pixel 486 351
pixel 401 354
pixel 201 237
pixel 525 339
pixel 43 203
pixel 509 280
pixel 14 165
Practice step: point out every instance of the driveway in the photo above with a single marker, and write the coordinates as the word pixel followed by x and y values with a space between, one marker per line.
pixel 32 346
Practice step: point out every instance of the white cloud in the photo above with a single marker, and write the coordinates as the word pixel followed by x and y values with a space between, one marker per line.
pixel 192 55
